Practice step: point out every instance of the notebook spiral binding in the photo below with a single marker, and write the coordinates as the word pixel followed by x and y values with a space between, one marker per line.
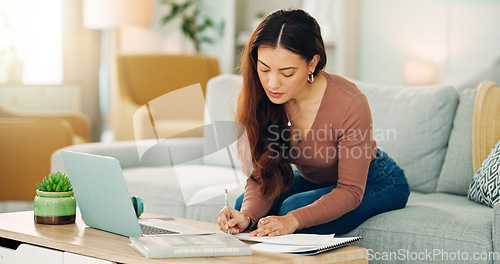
pixel 331 247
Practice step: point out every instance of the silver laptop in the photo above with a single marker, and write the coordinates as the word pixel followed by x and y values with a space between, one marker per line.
pixel 104 201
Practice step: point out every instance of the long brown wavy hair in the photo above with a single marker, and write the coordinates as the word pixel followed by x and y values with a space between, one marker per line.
pixel 294 30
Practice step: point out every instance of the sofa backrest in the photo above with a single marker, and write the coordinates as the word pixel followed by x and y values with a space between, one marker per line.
pixel 413 124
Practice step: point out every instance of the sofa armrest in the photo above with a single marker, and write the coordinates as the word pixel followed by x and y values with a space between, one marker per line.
pixel 127 152
pixel 79 122
pixel 485 122
pixel 495 234
pixel 26 147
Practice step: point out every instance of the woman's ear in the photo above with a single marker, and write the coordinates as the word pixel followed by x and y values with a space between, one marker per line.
pixel 313 63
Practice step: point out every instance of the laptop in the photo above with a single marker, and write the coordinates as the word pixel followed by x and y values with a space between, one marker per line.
pixel 104 201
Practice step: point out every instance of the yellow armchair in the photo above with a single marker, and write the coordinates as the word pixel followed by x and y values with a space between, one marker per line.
pixel 27 141
pixel 142 78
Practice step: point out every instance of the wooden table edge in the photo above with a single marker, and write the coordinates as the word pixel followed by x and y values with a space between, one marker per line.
pixel 135 257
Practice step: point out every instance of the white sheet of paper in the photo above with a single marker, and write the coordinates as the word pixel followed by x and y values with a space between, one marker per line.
pixel 280 248
pixel 292 239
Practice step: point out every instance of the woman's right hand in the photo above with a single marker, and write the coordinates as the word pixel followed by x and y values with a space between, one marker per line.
pixel 238 222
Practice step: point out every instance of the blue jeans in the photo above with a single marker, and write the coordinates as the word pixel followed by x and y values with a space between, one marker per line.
pixel 386 189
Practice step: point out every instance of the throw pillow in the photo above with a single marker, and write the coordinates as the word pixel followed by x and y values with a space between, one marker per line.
pixel 485 185
pixel 457 171
pixel 413 124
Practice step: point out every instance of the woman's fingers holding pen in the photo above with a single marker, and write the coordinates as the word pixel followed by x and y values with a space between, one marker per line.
pixel 237 223
pixel 222 221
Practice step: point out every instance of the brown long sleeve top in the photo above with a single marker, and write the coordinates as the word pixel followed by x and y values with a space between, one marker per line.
pixel 337 150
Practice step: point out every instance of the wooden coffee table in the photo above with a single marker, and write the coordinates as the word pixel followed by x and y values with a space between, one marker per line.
pixel 82 240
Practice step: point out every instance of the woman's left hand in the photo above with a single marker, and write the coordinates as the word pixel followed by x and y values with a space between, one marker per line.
pixel 276 226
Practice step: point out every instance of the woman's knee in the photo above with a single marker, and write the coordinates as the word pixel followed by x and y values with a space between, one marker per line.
pixel 286 207
pixel 402 187
pixel 302 199
pixel 239 202
pixel 292 203
pixel 404 195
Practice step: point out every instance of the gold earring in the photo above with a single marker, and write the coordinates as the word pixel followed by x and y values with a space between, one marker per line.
pixel 310 78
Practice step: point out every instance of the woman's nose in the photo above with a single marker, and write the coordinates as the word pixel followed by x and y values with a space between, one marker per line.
pixel 274 81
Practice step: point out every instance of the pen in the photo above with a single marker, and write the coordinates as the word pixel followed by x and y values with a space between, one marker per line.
pixel 227 212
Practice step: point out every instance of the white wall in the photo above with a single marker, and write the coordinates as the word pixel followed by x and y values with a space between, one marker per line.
pixel 460 37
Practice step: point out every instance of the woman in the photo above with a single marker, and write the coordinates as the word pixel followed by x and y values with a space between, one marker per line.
pixel 295 113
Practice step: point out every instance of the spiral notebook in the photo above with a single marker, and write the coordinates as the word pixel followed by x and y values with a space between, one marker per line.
pixel 292 245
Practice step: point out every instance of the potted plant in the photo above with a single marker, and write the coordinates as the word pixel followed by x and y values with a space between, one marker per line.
pixel 55 203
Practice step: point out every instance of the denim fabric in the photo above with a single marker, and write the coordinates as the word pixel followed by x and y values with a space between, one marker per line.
pixel 386 189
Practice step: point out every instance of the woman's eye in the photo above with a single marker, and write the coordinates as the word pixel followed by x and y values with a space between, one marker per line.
pixel 263 70
pixel 288 75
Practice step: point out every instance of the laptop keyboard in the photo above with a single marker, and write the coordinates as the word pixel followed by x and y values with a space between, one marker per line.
pixel 151 230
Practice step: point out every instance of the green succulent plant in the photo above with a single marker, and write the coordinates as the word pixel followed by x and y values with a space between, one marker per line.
pixel 55 182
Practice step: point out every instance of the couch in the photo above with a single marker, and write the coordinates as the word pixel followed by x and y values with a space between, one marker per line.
pixel 426 129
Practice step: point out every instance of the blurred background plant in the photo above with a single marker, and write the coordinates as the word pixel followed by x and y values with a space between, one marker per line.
pixel 194 23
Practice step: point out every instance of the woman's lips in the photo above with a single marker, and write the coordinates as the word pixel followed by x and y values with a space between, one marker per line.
pixel 275 95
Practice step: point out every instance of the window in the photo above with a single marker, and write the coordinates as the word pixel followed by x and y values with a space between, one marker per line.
pixel 36 30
